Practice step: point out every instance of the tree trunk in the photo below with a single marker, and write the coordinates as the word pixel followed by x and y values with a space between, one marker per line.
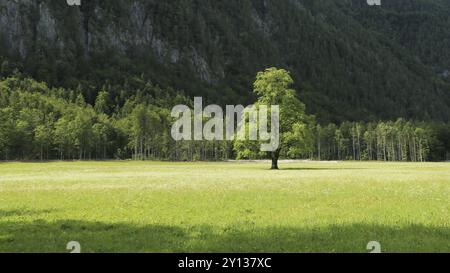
pixel 275 156
pixel 274 163
pixel 318 147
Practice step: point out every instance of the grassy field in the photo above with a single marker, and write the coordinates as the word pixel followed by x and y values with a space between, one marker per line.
pixel 224 207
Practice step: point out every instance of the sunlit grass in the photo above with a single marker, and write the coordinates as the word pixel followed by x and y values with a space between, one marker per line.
pixel 224 207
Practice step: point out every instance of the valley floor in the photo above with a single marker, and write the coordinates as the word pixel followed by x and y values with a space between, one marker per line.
pixel 224 207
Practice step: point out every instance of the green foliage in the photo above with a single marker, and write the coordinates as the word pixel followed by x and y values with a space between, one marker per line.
pixel 102 103
pixel 272 87
pixel 385 141
pixel 38 122
pixel 351 61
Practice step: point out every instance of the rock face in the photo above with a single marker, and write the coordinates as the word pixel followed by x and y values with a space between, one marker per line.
pixel 27 24
pixel 217 46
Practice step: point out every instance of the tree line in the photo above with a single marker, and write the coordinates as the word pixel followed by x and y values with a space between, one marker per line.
pixel 42 123
pixel 398 140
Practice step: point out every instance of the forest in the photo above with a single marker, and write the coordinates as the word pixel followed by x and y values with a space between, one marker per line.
pixel 350 61
pixel 98 81
pixel 42 123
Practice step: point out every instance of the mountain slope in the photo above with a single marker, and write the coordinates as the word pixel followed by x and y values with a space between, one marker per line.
pixel 350 61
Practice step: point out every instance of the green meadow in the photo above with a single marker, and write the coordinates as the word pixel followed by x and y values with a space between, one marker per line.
pixel 224 207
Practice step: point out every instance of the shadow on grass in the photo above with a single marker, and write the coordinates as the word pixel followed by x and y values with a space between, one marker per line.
pixel 43 236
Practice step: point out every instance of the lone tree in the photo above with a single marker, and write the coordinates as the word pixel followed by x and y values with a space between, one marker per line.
pixel 273 87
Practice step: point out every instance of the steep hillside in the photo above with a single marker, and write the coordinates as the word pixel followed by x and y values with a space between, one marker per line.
pixel 350 61
pixel 420 26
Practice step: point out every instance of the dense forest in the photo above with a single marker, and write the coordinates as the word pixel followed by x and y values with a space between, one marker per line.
pixel 350 61
pixel 38 122
pixel 98 81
